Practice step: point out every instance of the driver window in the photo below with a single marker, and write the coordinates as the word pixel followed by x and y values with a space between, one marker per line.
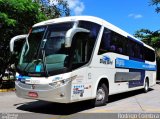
pixel 80 48
pixel 83 47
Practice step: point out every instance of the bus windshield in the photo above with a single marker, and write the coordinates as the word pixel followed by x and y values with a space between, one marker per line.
pixel 44 50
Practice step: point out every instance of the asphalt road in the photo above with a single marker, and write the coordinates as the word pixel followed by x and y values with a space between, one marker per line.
pixel 130 102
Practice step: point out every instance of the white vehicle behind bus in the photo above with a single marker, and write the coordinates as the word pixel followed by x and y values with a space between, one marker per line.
pixel 79 58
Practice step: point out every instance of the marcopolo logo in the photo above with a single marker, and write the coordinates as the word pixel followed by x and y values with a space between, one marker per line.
pixel 106 60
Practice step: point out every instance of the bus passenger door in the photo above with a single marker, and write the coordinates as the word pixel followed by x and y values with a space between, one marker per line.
pixel 81 51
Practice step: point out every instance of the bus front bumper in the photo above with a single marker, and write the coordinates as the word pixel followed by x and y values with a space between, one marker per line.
pixel 44 92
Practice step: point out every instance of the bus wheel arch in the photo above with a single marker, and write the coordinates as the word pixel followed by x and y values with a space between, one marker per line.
pixel 146 84
pixel 102 92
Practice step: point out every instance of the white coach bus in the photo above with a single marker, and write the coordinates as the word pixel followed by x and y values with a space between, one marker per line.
pixel 80 58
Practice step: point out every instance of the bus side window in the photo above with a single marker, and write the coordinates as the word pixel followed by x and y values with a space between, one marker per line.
pixel 105 42
pixel 130 51
pixel 149 54
pixel 138 52
pixel 93 27
pixel 113 48
pixel 117 41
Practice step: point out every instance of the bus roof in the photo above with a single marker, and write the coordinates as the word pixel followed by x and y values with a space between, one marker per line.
pixel 95 20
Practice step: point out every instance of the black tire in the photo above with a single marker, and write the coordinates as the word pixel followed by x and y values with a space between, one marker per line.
pixel 0 80
pixel 1 85
pixel 101 95
pixel 146 86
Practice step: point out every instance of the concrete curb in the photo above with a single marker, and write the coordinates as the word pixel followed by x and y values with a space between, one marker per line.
pixel 7 90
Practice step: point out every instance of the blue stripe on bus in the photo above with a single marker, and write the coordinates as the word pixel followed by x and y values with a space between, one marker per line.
pixel 132 64
pixel 23 77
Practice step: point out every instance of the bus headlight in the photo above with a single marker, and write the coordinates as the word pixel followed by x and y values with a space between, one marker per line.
pixel 62 82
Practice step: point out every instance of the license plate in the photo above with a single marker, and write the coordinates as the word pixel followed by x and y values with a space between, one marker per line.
pixel 33 94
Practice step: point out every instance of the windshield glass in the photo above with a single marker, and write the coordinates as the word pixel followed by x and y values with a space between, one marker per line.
pixel 44 50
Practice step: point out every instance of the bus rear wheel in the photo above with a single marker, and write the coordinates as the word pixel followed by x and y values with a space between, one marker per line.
pixel 146 86
pixel 101 95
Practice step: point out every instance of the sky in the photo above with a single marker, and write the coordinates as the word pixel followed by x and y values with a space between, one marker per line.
pixel 129 15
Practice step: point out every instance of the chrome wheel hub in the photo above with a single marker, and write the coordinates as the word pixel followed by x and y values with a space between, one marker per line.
pixel 100 94
pixel 146 86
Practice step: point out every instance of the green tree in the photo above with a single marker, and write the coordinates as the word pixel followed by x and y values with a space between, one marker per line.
pixel 54 10
pixel 16 17
pixel 157 4
pixel 151 38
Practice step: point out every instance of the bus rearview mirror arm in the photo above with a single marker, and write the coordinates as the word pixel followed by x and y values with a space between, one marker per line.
pixel 70 34
pixel 14 39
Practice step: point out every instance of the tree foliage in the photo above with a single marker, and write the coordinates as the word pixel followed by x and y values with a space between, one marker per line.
pixel 16 16
pixel 157 4
pixel 151 38
pixel 54 8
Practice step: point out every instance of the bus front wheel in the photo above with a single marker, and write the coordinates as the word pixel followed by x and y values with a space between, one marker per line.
pixel 101 95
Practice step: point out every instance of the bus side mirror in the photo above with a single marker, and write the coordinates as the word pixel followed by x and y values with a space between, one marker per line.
pixel 14 39
pixel 70 34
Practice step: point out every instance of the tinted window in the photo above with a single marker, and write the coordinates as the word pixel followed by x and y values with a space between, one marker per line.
pixel 149 55
pixel 83 43
pixel 138 51
pixel 80 48
pixel 117 42
pixel 112 42
pixel 93 27
pixel 105 42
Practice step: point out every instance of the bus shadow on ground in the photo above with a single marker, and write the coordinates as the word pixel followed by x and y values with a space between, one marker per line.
pixel 67 109
pixel 125 95
pixel 55 108
pixel 158 82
